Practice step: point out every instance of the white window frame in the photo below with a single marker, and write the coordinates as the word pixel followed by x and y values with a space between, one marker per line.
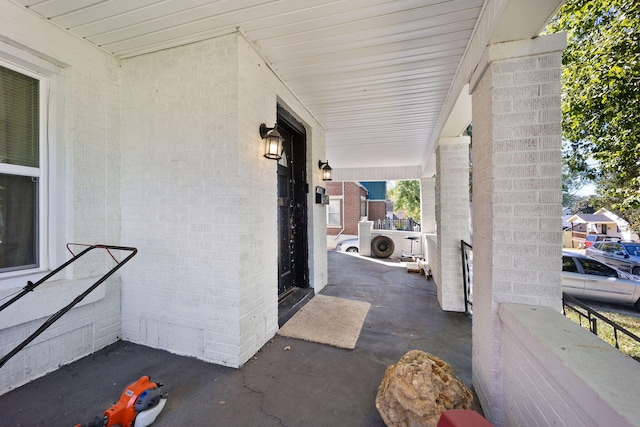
pixel 50 174
pixel 340 199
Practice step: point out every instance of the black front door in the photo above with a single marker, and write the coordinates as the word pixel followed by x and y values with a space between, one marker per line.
pixel 285 225
pixel 292 207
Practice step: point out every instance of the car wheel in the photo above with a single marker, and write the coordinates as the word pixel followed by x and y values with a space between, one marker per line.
pixel 636 270
pixel 637 305
pixel 382 246
pixel 352 249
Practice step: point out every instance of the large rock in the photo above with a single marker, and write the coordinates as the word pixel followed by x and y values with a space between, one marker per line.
pixel 417 389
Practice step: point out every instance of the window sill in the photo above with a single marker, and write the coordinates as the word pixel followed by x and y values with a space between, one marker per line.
pixel 47 299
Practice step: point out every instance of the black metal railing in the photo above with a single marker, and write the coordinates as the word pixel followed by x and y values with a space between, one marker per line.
pixel 592 317
pixel 396 224
pixel 54 317
pixel 467 273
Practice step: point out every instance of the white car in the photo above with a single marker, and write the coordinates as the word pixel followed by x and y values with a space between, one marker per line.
pixel 583 277
pixel 348 245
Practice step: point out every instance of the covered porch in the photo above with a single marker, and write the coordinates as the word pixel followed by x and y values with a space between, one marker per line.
pixel 151 134
pixel 572 378
pixel 307 384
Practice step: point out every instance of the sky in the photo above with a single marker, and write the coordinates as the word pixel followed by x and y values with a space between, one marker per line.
pixel 587 190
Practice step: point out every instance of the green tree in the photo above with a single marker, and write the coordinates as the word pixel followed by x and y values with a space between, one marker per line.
pixel 585 205
pixel 572 183
pixel 406 196
pixel 601 96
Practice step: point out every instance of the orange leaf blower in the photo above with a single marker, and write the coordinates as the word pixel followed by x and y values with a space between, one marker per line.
pixel 138 406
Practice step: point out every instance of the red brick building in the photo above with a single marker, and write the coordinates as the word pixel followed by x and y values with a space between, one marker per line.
pixel 348 205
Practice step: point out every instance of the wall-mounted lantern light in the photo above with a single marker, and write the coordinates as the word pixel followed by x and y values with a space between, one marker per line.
pixel 272 142
pixel 326 170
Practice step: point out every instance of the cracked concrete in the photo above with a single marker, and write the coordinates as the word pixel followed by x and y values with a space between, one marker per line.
pixel 287 383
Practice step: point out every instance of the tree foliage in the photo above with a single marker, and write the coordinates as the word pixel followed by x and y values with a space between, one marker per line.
pixel 572 182
pixel 406 196
pixel 601 96
pixel 585 205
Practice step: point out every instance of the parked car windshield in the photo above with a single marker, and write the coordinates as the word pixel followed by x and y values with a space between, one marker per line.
pixel 633 249
pixel 612 247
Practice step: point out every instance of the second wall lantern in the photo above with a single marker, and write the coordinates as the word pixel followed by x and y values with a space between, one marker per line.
pixel 326 170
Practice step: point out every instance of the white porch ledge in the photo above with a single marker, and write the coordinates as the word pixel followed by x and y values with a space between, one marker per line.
pixel 557 373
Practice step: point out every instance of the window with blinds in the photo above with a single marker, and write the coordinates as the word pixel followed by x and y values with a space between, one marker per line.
pixel 334 212
pixel 19 170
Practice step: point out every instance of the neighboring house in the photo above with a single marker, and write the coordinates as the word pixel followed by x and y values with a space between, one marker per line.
pixel 582 225
pixel 377 206
pixel 623 226
pixel 596 224
pixel 602 222
pixel 347 207
pixel 350 203
pixel 389 209
pixel 566 214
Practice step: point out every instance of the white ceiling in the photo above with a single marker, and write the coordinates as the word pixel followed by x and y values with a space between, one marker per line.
pixel 376 73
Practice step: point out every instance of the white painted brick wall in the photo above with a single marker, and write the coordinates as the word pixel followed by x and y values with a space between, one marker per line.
pixel 87 164
pixel 556 373
pixel 452 193
pixel 260 90
pixel 431 243
pixel 199 200
pixel 516 198
pixel 181 200
pixel 428 204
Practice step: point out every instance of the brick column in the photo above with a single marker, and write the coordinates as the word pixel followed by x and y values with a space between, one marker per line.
pixel 364 237
pixel 452 213
pixel 428 221
pixel 428 205
pixel 517 195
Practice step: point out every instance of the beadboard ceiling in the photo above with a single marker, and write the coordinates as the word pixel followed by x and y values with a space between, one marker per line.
pixel 376 73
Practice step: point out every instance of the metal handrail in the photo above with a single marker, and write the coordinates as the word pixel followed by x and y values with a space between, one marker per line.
pixel 592 318
pixel 466 276
pixel 54 317
pixel 407 224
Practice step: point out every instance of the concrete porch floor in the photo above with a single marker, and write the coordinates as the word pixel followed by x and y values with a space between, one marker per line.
pixel 307 385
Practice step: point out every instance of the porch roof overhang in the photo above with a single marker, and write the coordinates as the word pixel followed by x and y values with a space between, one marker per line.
pixel 385 78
